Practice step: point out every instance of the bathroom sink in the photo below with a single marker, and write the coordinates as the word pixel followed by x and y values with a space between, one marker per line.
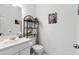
pixel 14 41
pixel 6 38
pixel 11 40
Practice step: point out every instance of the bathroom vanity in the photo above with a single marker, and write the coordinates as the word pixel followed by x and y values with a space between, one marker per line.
pixel 19 46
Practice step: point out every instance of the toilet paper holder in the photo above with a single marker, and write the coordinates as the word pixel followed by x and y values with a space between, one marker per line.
pixel 76 46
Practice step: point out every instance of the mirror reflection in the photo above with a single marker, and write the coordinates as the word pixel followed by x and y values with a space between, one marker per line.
pixel 10 19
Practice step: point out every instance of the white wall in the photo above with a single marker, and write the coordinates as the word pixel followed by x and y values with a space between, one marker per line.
pixel 77 17
pixel 57 38
pixel 77 29
pixel 28 9
pixel 8 14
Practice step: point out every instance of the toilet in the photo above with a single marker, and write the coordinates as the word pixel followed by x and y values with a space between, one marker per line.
pixel 38 49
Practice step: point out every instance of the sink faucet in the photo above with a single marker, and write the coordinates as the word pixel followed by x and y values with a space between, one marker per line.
pixel 19 34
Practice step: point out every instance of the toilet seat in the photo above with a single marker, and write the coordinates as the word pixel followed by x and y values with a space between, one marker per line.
pixel 38 49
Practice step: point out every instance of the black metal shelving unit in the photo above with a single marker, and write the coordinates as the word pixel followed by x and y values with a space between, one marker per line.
pixel 33 27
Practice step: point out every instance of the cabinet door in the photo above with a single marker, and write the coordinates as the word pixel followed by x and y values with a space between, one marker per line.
pixel 25 51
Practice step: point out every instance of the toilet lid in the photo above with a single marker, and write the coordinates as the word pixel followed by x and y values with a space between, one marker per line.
pixel 38 47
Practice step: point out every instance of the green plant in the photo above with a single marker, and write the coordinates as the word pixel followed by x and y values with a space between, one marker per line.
pixel 36 19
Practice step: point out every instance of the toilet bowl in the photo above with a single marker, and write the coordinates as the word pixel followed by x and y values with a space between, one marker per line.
pixel 38 49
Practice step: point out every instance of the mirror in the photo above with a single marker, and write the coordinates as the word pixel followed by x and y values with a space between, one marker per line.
pixel 8 15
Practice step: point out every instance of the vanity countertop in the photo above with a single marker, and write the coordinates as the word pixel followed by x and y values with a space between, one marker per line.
pixel 5 45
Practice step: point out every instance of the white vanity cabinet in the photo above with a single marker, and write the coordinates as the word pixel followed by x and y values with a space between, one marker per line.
pixel 18 49
pixel 25 51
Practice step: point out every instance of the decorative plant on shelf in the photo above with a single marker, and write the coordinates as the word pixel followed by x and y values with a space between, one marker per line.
pixel 36 19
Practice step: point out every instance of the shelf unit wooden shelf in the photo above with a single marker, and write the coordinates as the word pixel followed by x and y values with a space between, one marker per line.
pixel 31 27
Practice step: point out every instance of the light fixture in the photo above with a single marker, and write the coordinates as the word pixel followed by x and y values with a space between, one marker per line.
pixel 17 5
